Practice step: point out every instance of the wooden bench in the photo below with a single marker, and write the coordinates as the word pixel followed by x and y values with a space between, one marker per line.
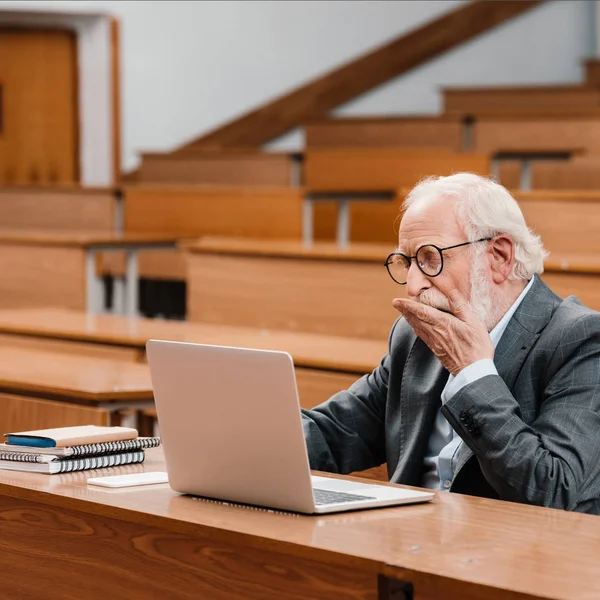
pixel 572 275
pixel 530 100
pixel 39 388
pixel 373 173
pixel 429 131
pixel 580 172
pixel 547 132
pixel 567 221
pixel 59 268
pixel 324 364
pixel 62 208
pixel 194 211
pixel 225 167
pixel 286 285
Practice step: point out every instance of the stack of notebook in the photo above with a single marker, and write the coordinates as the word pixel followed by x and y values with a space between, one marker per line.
pixel 73 449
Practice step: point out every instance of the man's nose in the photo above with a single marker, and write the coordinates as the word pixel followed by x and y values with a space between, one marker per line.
pixel 416 281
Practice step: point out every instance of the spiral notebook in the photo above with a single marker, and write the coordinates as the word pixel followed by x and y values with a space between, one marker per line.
pixel 54 464
pixel 15 452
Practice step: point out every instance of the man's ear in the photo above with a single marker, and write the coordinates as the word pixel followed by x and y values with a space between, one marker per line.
pixel 502 250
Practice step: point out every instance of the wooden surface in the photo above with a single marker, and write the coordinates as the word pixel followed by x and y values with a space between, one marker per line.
pixel 373 169
pixel 534 100
pixel 221 168
pixel 152 542
pixel 76 378
pixel 293 288
pixel 120 334
pixel 592 72
pixel 39 142
pixel 193 211
pixel 580 172
pixel 186 211
pixel 566 226
pixel 370 253
pixel 57 208
pixel 551 133
pixel 572 282
pixel 509 173
pixel 82 239
pixel 18 413
pixel 39 275
pixel 317 98
pixel 315 387
pixel 399 132
pixel 65 345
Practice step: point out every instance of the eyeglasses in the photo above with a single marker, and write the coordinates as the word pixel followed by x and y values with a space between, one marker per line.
pixel 429 259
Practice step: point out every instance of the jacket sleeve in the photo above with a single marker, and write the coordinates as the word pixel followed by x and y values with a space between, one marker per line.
pixel 555 460
pixel 347 432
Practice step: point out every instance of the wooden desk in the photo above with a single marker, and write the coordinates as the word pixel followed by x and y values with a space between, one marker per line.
pixel 60 534
pixel 286 285
pixel 58 268
pixel 38 387
pixel 577 275
pixel 324 364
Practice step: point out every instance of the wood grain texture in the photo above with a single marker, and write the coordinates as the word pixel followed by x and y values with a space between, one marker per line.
pixel 382 169
pixel 168 264
pixel 493 134
pixel 315 387
pixel 38 70
pixel 192 211
pixel 399 132
pixel 105 556
pixel 69 346
pixel 333 353
pixel 41 276
pixel 317 98
pixel 76 378
pixel 220 168
pixel 457 547
pixel 565 226
pixel 586 286
pixel 57 209
pixel 18 413
pixel 333 297
pixel 580 172
pixel 531 100
pixel 510 173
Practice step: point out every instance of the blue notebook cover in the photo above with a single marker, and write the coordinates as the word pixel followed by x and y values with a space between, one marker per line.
pixel 25 440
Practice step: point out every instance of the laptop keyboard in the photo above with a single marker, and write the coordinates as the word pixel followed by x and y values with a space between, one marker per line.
pixel 328 497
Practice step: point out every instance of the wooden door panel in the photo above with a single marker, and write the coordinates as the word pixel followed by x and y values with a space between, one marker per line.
pixel 39 134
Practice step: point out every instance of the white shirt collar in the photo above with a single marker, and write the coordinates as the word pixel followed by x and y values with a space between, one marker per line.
pixel 497 332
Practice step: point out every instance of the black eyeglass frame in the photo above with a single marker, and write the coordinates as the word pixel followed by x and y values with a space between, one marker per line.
pixel 409 259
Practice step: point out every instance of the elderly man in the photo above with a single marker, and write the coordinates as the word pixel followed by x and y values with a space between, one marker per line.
pixel 491 386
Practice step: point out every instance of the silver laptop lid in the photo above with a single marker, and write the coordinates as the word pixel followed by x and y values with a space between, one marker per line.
pixel 230 424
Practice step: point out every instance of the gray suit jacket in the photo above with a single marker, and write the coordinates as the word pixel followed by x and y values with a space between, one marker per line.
pixel 531 433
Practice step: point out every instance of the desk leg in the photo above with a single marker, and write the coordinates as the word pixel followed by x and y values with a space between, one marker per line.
pixel 131 284
pixel 525 174
pixel 343 224
pixel 94 293
pixel 118 303
pixel 307 221
pixel 495 169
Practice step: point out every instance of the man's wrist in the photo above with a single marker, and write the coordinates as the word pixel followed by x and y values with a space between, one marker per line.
pixel 473 372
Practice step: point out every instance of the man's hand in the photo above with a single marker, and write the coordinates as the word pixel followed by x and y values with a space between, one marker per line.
pixel 458 339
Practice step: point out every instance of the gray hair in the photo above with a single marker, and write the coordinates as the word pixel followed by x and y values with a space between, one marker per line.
pixel 485 209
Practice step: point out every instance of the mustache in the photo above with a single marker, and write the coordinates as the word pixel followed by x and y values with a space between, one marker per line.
pixel 434 299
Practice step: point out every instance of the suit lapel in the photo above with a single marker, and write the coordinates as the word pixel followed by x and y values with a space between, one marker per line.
pixel 423 380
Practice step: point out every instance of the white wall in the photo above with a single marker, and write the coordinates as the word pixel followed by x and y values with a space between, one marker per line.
pixel 189 66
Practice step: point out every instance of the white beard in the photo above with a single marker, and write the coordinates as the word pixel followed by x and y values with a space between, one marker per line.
pixel 480 298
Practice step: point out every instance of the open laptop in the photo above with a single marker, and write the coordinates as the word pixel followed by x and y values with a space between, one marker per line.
pixel 231 429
